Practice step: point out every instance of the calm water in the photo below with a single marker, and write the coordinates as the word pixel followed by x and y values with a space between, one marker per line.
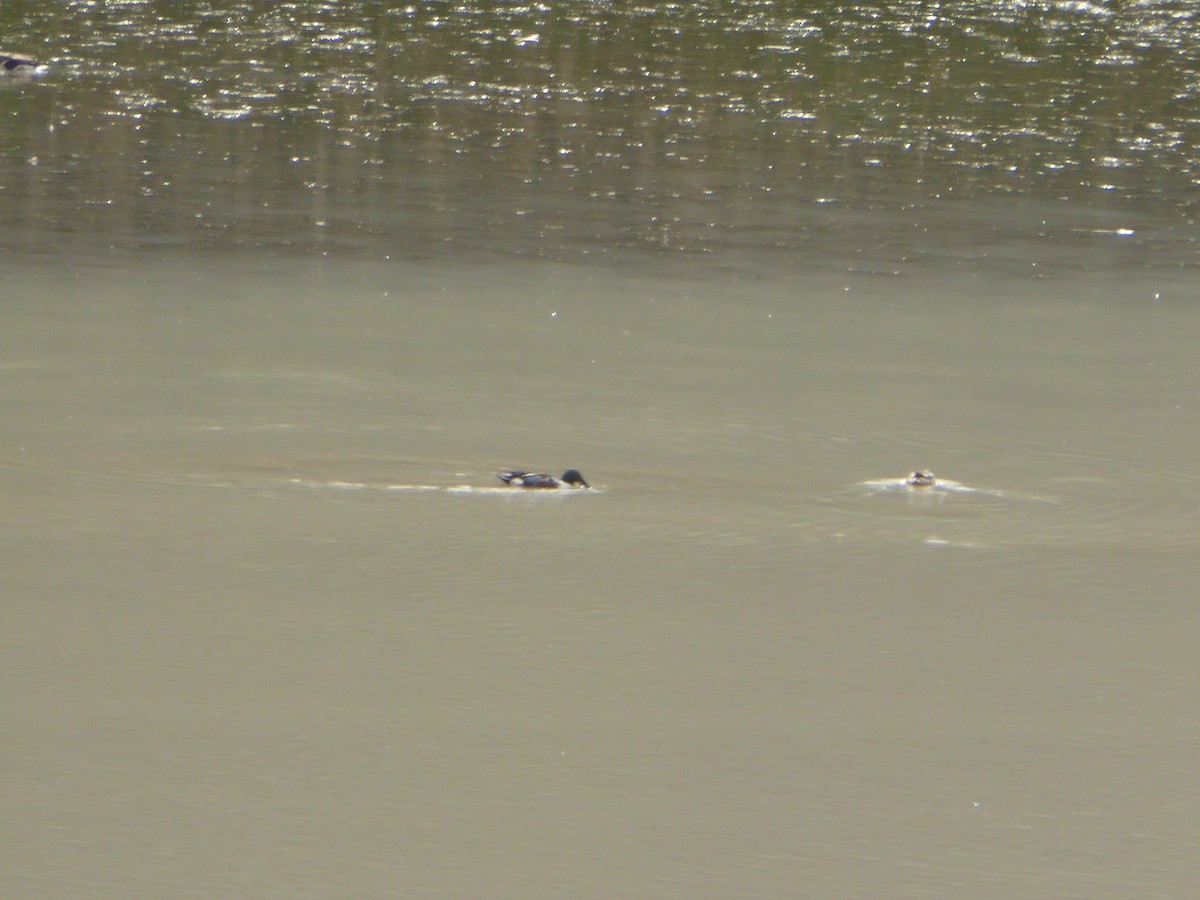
pixel 286 284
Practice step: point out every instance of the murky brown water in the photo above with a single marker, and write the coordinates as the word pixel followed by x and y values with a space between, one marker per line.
pixel 271 630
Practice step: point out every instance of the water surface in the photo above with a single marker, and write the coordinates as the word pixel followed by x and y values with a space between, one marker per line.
pixel 287 284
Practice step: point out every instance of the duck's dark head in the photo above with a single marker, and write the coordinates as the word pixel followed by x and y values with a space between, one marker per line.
pixel 574 479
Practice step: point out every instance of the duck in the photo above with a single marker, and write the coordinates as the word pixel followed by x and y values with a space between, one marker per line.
pixel 521 479
pixel 920 479
pixel 17 64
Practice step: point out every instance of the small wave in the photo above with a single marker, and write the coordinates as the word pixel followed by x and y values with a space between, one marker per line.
pixel 943 486
pixel 340 485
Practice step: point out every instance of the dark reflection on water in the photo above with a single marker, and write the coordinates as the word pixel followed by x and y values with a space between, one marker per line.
pixel 563 129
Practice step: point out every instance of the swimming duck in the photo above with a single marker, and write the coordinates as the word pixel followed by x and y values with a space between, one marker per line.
pixel 516 478
pixel 16 63
pixel 919 479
